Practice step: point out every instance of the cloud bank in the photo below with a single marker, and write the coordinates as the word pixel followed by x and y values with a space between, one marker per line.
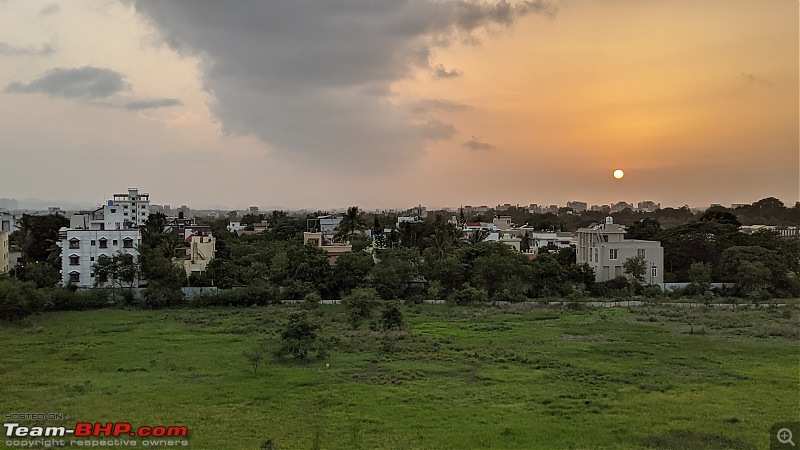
pixel 313 78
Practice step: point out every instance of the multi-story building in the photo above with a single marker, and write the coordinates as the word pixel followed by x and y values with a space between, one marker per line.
pixel 578 207
pixel 648 206
pixel 106 231
pixel 4 250
pixel 8 222
pixel 621 206
pixel 604 248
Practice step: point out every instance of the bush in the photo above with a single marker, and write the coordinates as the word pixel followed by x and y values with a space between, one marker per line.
pixel 312 300
pixel 359 305
pixel 468 295
pixel 19 300
pixel 157 296
pixel 63 299
pixel 300 336
pixel 297 290
pixel 391 318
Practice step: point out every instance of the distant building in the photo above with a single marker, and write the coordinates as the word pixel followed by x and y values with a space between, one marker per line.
pixel 334 250
pixel 604 248
pixel 502 223
pixel 620 206
pixel 578 207
pixel 253 210
pixel 9 204
pixel 4 253
pixel 739 205
pixel 8 222
pixel 648 206
pixel 504 238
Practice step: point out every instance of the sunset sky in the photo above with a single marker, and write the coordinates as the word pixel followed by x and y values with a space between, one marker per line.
pixel 387 104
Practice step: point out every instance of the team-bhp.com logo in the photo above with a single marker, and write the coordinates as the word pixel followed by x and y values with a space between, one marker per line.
pixel 44 435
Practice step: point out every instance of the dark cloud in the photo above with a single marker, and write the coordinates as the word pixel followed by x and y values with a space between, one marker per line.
pixel 437 104
pixel 136 105
pixel 436 130
pixel 477 145
pixel 439 71
pixel 85 82
pixel 52 8
pixel 94 85
pixel 313 78
pixel 14 50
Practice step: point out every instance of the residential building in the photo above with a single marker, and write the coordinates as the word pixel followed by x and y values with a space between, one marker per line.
pixel 334 250
pixel 502 223
pixel 201 250
pixel 648 206
pixel 4 253
pixel 604 248
pixel 578 207
pixel 235 226
pixel 543 239
pixel 106 231
pixel 621 206
pixel 505 238
pixel 8 222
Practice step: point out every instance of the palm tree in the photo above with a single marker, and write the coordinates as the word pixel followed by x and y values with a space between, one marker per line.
pixel 352 221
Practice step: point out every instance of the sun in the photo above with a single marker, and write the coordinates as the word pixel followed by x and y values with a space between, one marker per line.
pixel 618 174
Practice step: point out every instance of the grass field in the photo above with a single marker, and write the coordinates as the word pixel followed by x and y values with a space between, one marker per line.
pixel 460 378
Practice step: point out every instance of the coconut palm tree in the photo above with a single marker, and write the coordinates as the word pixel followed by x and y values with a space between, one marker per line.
pixel 352 222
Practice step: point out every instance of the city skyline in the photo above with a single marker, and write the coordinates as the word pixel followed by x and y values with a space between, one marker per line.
pixel 322 105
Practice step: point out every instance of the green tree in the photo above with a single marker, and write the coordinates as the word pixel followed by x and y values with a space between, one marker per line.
pixel 636 267
pixel 359 305
pixel 117 270
pixel 42 274
pixel 700 277
pixel 20 299
pixel 646 229
pixel 352 222
pixel 38 238
pixel 391 318
pixel 299 337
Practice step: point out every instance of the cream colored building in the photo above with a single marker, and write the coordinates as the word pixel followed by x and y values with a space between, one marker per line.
pixel 201 250
pixel 334 250
pixel 604 248
pixel 4 247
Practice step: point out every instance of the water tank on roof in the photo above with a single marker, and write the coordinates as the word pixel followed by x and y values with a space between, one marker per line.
pixel 111 203
pixel 609 220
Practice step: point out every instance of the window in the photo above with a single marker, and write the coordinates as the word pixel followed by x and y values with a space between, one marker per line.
pixel 612 253
pixel 124 206
pixel 115 242
pixel 74 277
pixel 74 243
pixel 103 243
pixel 640 253
pixel 94 243
pixel 127 243
pixel 74 260
pixel 596 256
pixel 91 259
pixel 654 272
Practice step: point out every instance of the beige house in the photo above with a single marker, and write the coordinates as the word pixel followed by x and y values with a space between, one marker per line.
pixel 334 250
pixel 201 250
pixel 604 248
pixel 4 247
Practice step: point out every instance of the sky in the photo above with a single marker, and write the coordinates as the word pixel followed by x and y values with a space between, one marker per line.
pixel 323 104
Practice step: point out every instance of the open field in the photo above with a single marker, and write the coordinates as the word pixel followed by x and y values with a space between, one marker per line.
pixel 461 378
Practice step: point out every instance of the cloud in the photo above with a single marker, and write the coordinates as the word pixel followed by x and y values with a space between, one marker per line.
pixel 313 79
pixel 14 50
pixel 437 104
pixel 439 71
pixel 52 8
pixel 436 130
pixel 477 145
pixel 136 105
pixel 94 85
pixel 85 82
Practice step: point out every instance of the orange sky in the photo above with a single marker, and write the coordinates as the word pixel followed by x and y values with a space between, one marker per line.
pixel 696 101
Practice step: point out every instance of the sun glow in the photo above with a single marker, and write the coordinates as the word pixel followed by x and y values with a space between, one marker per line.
pixel 618 174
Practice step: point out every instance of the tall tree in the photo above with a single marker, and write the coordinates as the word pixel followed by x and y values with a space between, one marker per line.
pixel 352 222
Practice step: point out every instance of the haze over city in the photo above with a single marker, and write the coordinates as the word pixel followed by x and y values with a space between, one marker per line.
pixel 324 104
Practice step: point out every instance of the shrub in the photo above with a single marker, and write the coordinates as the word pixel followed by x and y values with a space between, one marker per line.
pixel 391 318
pixel 467 295
pixel 157 296
pixel 19 300
pixel 359 305
pixel 312 300
pixel 300 336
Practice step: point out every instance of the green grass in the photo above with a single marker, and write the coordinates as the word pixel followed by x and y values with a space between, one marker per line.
pixel 462 378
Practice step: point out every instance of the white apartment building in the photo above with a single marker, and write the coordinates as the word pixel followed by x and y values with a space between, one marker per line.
pixel 604 248
pixel 4 247
pixel 109 230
